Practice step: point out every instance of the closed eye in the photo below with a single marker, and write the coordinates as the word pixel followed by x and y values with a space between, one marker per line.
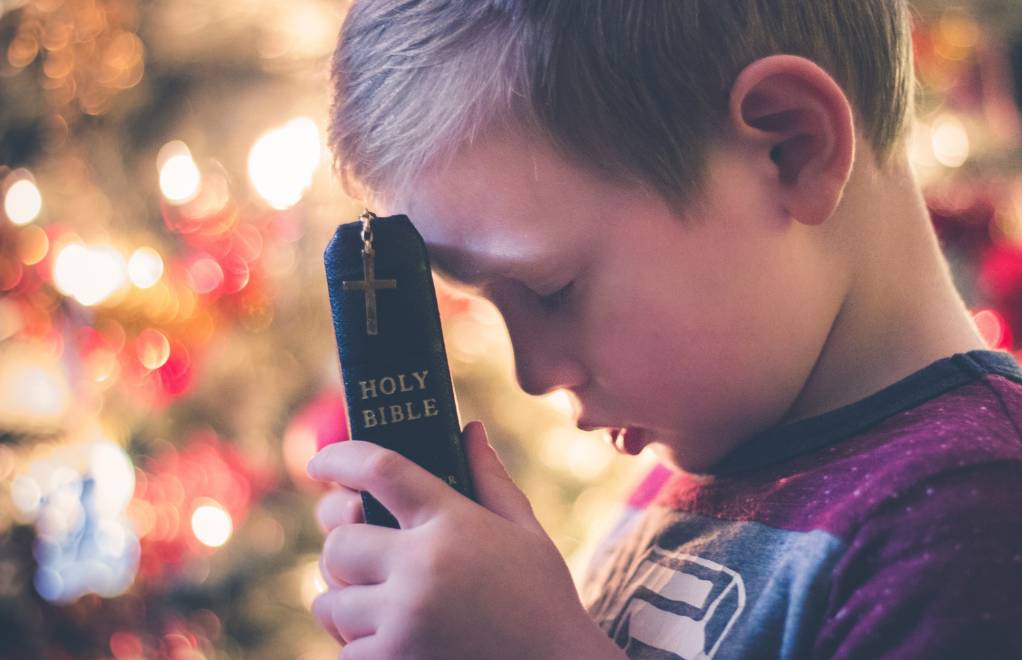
pixel 557 299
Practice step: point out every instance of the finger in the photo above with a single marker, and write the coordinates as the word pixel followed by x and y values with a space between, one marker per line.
pixel 340 506
pixel 324 617
pixel 372 647
pixel 355 611
pixel 358 554
pixel 331 581
pixel 407 490
pixel 495 489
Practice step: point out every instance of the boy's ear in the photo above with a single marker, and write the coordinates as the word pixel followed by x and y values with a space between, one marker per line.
pixel 792 111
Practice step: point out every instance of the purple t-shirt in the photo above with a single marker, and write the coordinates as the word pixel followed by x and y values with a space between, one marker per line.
pixel 888 528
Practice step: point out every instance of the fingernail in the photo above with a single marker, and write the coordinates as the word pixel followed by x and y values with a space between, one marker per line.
pixel 482 429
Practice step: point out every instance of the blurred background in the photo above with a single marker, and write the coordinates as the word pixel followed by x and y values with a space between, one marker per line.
pixel 167 363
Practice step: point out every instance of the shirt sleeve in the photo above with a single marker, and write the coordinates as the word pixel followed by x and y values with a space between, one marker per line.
pixel 934 573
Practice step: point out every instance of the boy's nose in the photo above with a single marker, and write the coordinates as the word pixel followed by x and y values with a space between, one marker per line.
pixel 540 373
pixel 544 353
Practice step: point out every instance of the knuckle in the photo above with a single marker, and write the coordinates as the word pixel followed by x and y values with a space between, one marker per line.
pixel 323 514
pixel 338 508
pixel 354 513
pixel 329 578
pixel 433 558
pixel 332 546
pixel 384 465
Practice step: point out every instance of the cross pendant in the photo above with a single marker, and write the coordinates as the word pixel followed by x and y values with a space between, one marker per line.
pixel 369 286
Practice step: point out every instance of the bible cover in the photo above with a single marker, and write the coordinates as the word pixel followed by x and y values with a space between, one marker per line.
pixel 396 381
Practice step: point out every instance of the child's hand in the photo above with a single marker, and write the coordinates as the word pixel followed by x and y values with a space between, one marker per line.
pixel 458 580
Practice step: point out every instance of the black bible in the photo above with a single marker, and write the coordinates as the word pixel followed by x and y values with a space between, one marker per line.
pixel 397 383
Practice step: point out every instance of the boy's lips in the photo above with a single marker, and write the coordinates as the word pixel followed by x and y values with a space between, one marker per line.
pixel 628 440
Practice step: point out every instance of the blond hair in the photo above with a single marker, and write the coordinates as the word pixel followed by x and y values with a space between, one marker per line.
pixel 631 89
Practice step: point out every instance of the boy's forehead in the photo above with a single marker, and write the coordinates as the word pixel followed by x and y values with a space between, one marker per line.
pixel 465 241
pixel 505 203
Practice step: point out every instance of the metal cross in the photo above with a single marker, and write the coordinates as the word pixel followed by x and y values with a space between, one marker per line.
pixel 369 285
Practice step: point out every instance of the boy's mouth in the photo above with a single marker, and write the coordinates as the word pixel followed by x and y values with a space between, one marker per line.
pixel 626 439
pixel 629 440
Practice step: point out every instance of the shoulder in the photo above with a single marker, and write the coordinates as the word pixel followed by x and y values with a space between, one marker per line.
pixel 960 435
pixel 933 538
pixel 933 572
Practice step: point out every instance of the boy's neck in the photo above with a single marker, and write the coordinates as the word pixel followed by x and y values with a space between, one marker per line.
pixel 901 311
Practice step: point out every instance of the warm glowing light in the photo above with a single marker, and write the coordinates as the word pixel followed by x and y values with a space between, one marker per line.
pixel 101 366
pixel 563 402
pixel 180 179
pixel 33 391
pixel 89 274
pixel 311 581
pixel 68 265
pixel 212 524
pixel 23 201
pixel 950 142
pixel 282 162
pixel 955 36
pixel 153 348
pixel 145 267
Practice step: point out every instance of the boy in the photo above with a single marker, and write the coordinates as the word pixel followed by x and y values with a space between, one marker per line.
pixel 698 217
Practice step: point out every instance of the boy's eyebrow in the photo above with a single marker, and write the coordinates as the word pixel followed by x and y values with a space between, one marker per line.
pixel 448 267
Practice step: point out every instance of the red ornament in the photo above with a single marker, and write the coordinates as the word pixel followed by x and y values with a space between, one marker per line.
pixel 206 472
pixel 319 423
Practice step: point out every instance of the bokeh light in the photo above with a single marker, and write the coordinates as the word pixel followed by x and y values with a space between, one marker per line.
pixel 152 348
pixel 993 328
pixel 34 391
pixel 311 581
pixel 212 524
pixel 89 274
pixel 145 267
pixel 950 141
pixel 180 179
pixel 114 475
pixel 205 275
pixel 23 202
pixel 283 161
pixel 33 245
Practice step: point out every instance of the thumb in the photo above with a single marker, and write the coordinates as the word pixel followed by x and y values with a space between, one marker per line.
pixel 493 485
